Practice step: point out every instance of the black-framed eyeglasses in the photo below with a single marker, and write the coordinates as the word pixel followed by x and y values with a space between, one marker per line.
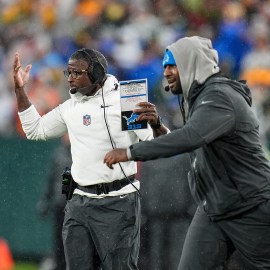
pixel 74 73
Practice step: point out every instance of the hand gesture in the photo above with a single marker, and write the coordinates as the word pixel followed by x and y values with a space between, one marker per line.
pixel 147 111
pixel 20 75
pixel 114 156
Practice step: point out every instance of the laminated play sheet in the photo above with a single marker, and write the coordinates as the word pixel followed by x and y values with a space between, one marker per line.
pixel 131 93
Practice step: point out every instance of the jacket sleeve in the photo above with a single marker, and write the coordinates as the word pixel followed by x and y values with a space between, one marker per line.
pixel 212 118
pixel 144 134
pixel 50 125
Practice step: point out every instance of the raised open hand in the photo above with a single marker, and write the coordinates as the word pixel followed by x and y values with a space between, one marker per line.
pixel 20 75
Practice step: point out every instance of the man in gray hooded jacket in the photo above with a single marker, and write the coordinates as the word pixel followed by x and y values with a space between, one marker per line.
pixel 230 176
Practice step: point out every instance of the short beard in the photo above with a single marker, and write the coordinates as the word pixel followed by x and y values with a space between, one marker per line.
pixel 178 91
pixel 85 91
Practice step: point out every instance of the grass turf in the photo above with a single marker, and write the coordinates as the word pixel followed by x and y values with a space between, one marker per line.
pixel 25 266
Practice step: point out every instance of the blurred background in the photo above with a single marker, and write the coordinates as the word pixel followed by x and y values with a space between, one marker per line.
pixel 133 36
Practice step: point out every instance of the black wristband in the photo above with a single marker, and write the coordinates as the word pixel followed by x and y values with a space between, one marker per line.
pixel 158 124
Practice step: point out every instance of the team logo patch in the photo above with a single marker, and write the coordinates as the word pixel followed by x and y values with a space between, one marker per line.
pixel 131 119
pixel 166 58
pixel 87 120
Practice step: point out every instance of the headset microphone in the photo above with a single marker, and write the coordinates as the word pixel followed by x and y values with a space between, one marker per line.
pixel 167 88
pixel 73 90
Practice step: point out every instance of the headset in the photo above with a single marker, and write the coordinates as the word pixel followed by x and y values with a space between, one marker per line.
pixel 96 71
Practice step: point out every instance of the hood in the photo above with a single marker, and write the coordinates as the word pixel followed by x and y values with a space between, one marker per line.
pixel 196 61
pixel 241 87
pixel 111 84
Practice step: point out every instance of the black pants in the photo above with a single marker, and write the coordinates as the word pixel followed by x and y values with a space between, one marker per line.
pixel 208 245
pixel 102 232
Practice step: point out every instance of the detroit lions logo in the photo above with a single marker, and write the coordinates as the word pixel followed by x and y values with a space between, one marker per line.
pixel 131 119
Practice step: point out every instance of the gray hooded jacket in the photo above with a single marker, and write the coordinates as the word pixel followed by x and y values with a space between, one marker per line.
pixel 230 173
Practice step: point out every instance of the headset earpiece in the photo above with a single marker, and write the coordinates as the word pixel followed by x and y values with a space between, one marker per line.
pixel 96 71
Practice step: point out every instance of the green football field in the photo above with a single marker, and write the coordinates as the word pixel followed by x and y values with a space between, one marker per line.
pixel 25 266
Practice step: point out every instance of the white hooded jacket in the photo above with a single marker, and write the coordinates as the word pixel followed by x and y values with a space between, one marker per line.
pixel 84 119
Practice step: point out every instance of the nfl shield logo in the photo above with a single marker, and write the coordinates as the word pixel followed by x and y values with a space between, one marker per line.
pixel 87 120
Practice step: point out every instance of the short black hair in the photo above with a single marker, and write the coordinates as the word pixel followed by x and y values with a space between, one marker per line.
pixel 91 56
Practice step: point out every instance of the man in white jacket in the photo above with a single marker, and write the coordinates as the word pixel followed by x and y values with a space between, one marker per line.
pixel 102 219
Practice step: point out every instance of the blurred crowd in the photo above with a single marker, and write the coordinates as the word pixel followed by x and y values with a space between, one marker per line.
pixel 133 36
